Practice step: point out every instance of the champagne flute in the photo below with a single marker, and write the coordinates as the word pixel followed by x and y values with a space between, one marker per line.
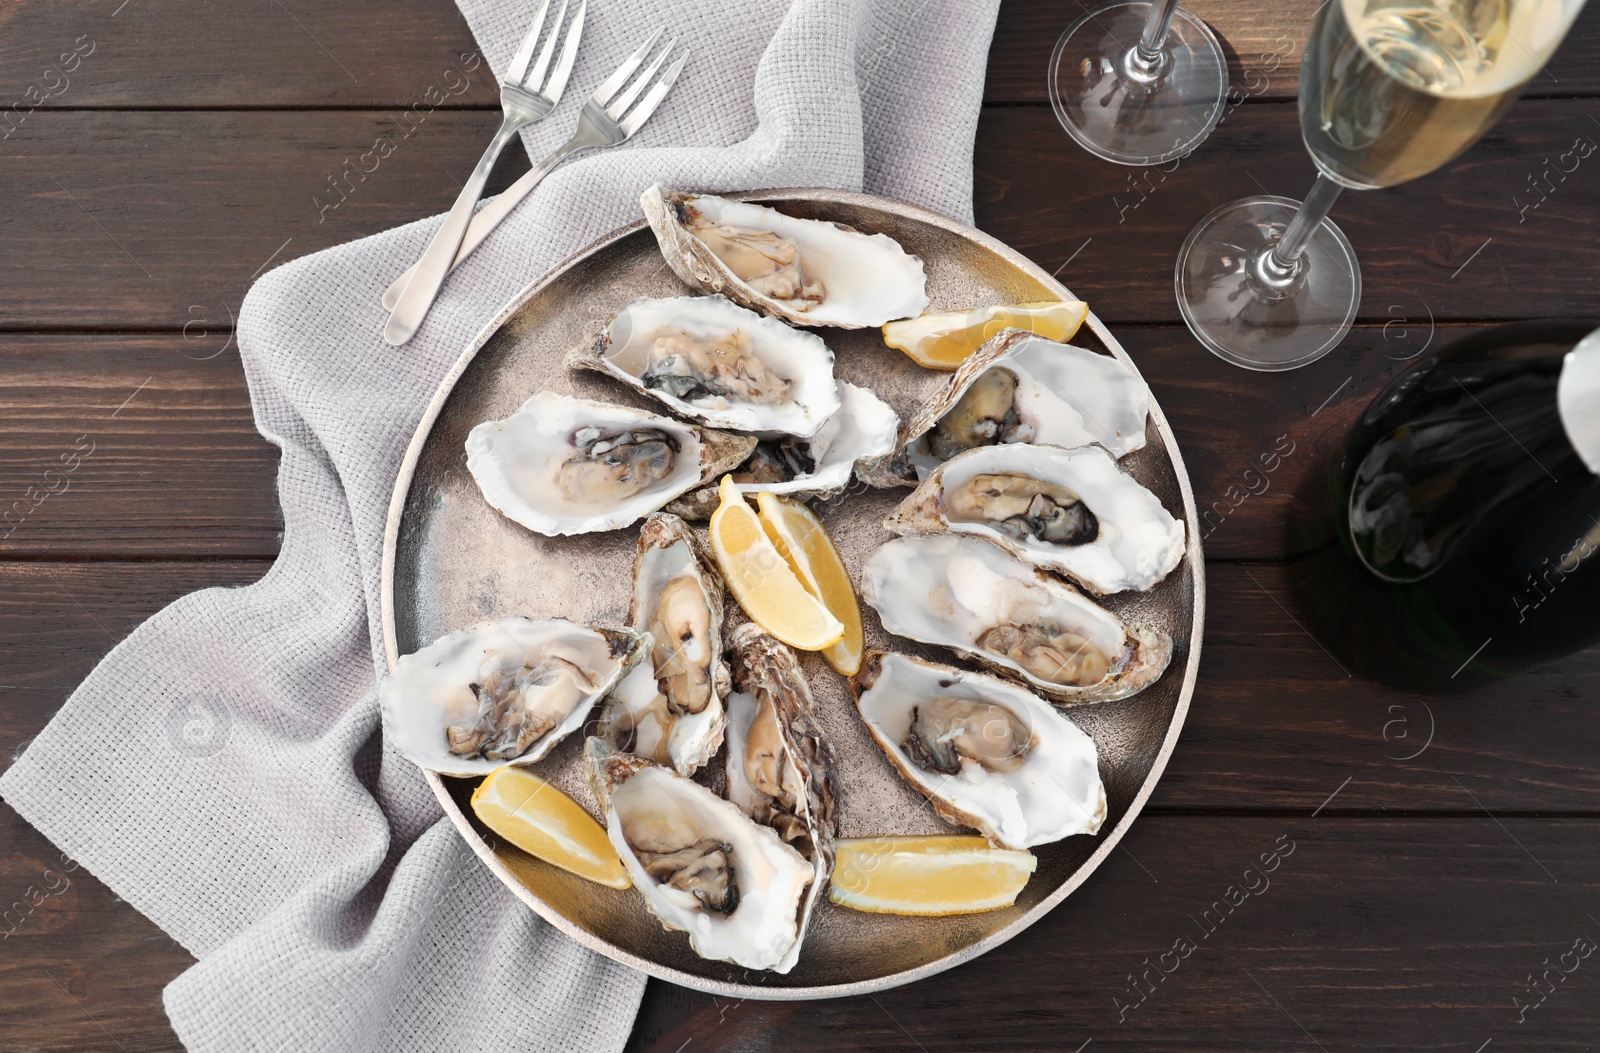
pixel 1138 83
pixel 1389 90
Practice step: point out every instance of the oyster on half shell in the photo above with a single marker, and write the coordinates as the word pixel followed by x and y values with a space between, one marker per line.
pixel 563 465
pixel 962 592
pixel 702 865
pixel 670 709
pixel 986 753
pixel 1020 387
pixel 1075 512
pixel 805 271
pixel 501 692
pixel 707 359
pixel 781 769
pixel 864 428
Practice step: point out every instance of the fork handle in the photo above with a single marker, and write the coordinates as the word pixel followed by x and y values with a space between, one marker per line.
pixel 412 305
pixel 494 213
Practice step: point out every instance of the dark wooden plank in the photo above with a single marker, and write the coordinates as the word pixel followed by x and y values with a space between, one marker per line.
pixel 1453 244
pixel 80 968
pixel 101 235
pixel 1264 43
pixel 1369 934
pixel 287 53
pixel 141 230
pixel 132 446
pixel 319 53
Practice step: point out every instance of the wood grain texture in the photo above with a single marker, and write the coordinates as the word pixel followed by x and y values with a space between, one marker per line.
pixel 1453 245
pixel 1354 939
pixel 101 236
pixel 1358 940
pixel 344 54
pixel 1263 42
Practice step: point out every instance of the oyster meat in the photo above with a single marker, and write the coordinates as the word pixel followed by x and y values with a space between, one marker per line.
pixel 781 769
pixel 1075 512
pixel 986 753
pixel 864 428
pixel 712 361
pixel 670 709
pixel 702 865
pixel 805 271
pixel 1020 387
pixel 502 691
pixel 563 465
pixel 964 593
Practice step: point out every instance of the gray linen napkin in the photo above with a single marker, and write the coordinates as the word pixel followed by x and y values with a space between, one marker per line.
pixel 223 769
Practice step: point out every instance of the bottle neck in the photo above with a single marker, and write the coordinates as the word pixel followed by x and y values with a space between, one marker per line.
pixel 1578 399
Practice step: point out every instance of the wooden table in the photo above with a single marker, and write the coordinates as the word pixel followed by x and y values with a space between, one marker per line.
pixel 1446 852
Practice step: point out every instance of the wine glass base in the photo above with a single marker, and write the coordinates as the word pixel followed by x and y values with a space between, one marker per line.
pixel 1248 321
pixel 1116 113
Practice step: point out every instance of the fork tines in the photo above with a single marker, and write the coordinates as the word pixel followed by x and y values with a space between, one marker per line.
pixel 519 73
pixel 619 101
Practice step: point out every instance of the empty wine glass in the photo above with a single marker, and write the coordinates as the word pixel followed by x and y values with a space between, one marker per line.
pixel 1138 83
pixel 1389 90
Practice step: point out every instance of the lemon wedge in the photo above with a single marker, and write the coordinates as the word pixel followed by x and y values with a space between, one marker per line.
pixel 546 823
pixel 762 580
pixel 944 339
pixel 929 876
pixel 804 544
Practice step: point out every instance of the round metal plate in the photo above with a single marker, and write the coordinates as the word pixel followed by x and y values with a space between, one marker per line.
pixel 450 560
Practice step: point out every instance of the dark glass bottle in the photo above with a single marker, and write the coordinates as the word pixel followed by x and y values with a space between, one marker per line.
pixel 1455 538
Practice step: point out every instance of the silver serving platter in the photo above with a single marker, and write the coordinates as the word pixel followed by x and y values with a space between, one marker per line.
pixel 450 560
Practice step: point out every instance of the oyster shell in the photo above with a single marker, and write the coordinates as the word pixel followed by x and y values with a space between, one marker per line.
pixel 1071 511
pixel 702 865
pixel 864 428
pixel 670 709
pixel 781 769
pixel 501 692
pixel 969 595
pixel 805 271
pixel 985 752
pixel 1020 387
pixel 711 361
pixel 563 465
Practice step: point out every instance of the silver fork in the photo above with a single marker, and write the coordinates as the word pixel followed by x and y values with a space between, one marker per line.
pixel 525 96
pixel 610 117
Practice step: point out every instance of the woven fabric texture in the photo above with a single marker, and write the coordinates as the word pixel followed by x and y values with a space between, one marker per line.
pixel 224 770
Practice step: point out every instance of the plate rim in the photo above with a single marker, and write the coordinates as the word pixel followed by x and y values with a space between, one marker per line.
pixel 1193 557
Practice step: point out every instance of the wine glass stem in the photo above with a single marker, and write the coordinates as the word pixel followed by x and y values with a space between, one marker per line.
pixel 1146 58
pixel 1282 264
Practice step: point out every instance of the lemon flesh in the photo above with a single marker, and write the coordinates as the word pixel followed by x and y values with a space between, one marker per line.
pixel 803 542
pixel 545 823
pixel 762 580
pixel 943 340
pixel 927 876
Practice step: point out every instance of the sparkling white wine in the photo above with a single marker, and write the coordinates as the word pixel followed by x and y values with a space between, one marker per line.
pixel 1392 89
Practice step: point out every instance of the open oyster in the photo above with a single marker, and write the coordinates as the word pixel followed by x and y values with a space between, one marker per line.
pixel 986 753
pixel 781 770
pixel 1020 387
pixel 562 465
pixel 712 361
pixel 864 428
pixel 1071 511
pixel 502 691
pixel 964 593
pixel 805 271
pixel 702 865
pixel 670 709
